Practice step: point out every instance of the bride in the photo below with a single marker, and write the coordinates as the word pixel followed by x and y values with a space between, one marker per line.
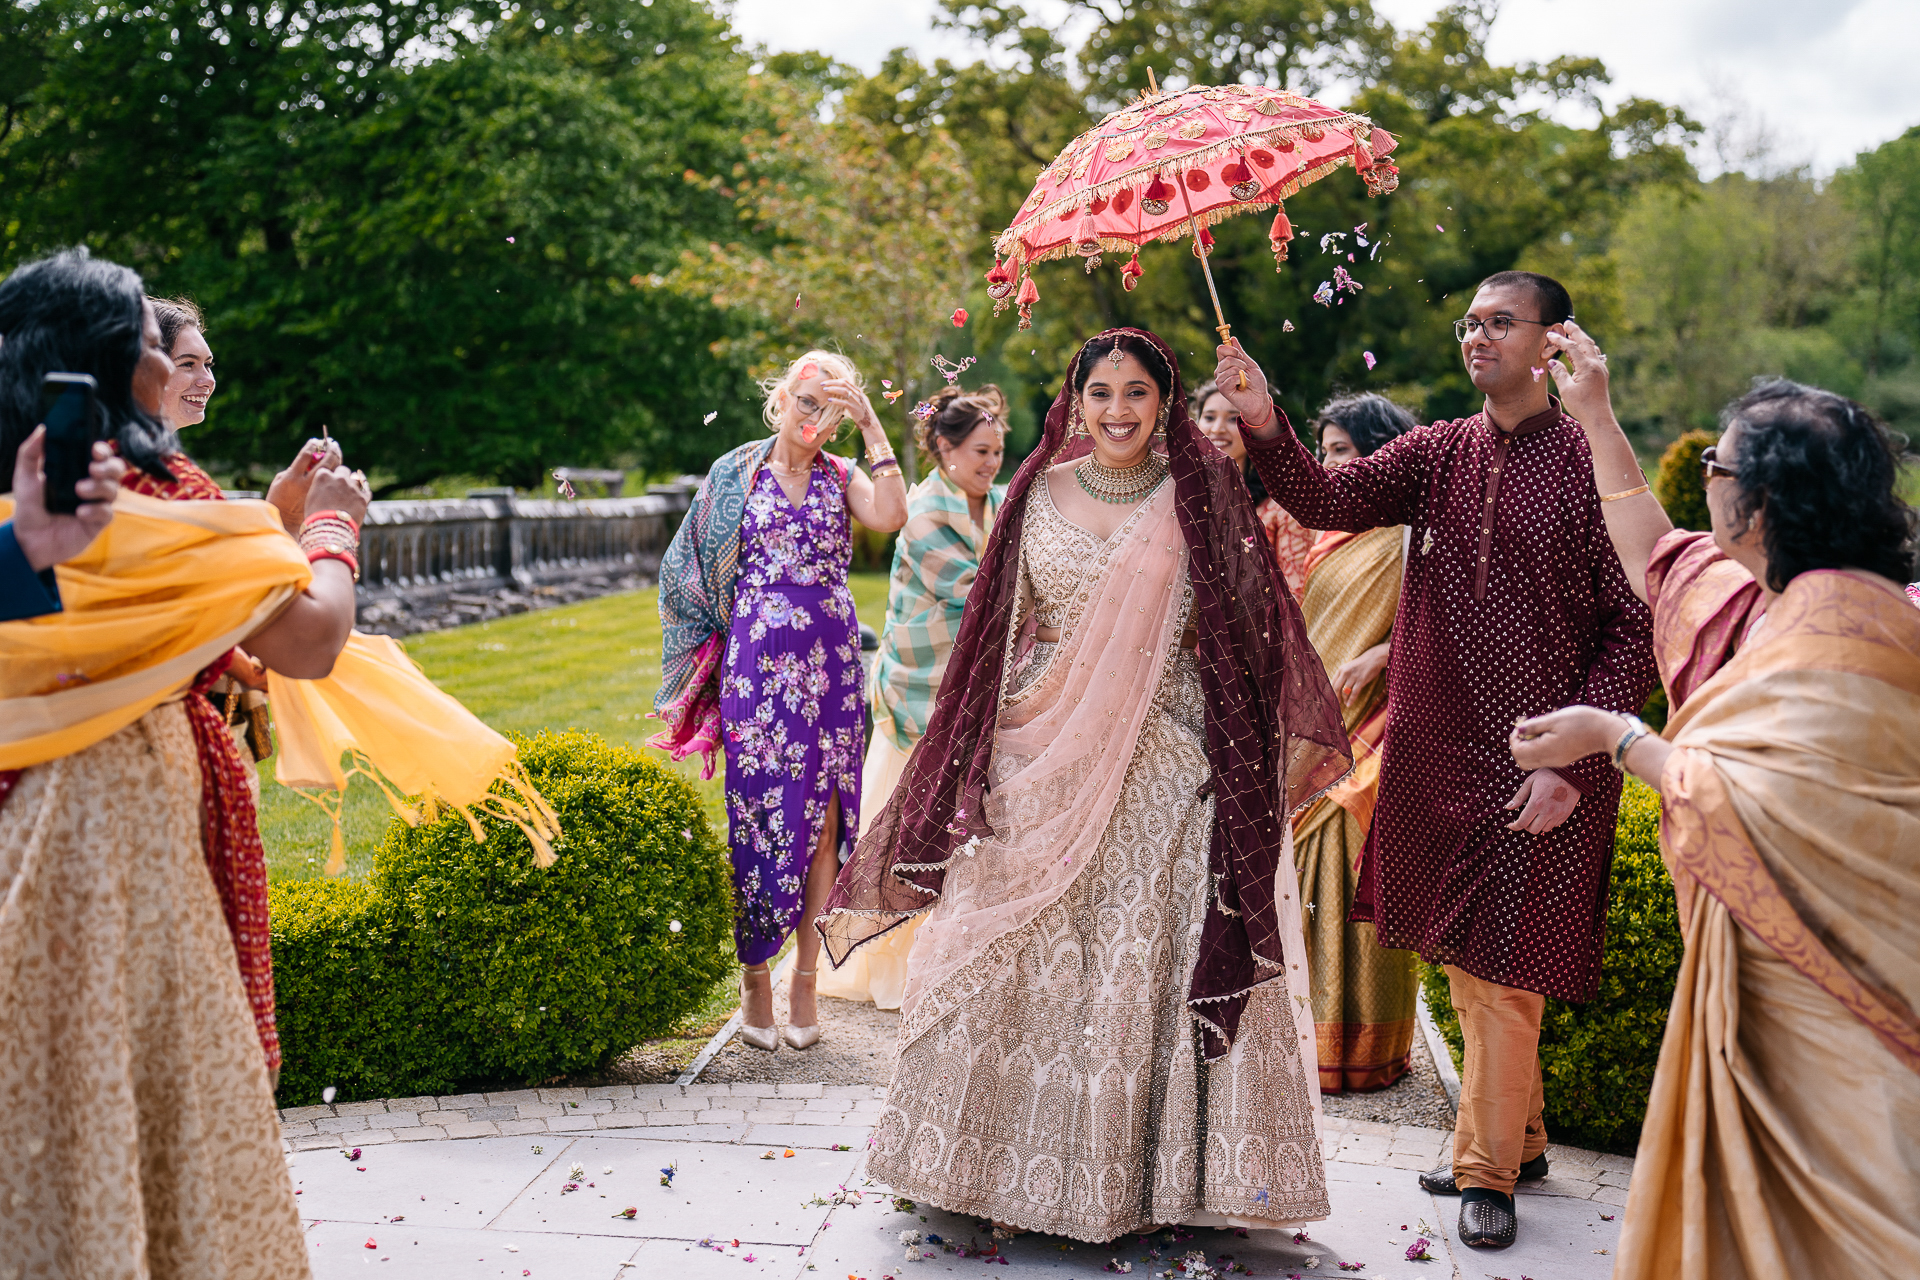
pixel 1106 1023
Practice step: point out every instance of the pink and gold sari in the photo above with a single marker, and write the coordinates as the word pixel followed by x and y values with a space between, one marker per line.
pixel 1779 1138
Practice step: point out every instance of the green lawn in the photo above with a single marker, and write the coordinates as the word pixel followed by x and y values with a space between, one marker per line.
pixel 590 666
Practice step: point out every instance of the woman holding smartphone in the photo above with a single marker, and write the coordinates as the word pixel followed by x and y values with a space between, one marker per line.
pixel 134 1050
pixel 761 651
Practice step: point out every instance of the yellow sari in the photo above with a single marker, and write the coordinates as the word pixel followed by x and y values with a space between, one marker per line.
pixel 1363 994
pixel 1780 1135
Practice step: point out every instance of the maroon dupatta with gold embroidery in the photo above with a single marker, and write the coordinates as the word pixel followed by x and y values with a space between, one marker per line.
pixel 1274 733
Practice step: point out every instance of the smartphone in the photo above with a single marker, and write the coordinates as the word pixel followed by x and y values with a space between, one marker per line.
pixel 69 406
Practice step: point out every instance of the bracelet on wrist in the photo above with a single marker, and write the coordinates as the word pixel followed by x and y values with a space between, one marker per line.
pixel 335 552
pixel 1272 412
pixel 1636 730
pixel 332 520
pixel 879 453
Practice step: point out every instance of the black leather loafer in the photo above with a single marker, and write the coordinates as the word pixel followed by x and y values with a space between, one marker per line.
pixel 1440 1181
pixel 1487 1219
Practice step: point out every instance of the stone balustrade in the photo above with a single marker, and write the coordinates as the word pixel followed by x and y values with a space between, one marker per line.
pixel 492 540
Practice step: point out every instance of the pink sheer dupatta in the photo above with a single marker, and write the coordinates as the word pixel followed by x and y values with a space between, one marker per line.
pixel 1061 751
pixel 693 718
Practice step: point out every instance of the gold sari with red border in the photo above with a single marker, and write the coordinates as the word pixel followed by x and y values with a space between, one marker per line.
pixel 1779 1135
pixel 1363 994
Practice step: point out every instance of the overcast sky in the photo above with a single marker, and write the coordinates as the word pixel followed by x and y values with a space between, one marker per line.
pixel 1828 79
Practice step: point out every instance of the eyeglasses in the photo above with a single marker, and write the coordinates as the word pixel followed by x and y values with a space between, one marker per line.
pixel 1495 327
pixel 1710 466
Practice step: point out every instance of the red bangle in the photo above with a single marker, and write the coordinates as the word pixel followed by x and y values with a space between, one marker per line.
pixel 1272 413
pixel 314 517
pixel 341 554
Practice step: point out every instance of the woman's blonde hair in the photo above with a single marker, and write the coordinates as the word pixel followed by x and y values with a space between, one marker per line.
pixel 777 387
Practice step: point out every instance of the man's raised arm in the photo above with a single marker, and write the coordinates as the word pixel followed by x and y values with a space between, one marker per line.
pixel 1380 489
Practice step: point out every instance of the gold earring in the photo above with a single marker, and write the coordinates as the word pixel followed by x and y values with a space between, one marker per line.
pixel 1076 421
pixel 1160 423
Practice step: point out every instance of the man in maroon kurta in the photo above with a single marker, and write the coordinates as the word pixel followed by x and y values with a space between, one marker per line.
pixel 1513 603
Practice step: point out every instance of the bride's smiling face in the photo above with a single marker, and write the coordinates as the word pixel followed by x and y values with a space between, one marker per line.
pixel 1121 404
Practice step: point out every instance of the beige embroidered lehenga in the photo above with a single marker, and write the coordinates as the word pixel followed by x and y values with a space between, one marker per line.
pixel 1050 1076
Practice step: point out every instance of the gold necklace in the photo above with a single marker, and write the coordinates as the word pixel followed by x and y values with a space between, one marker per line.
pixel 1110 484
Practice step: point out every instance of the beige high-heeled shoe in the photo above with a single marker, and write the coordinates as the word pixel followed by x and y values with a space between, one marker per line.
pixel 765 1039
pixel 801 1037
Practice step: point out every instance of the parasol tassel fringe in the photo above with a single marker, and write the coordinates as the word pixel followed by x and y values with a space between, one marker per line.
pixel 1282 137
pixel 1180 230
pixel 1029 294
pixel 1278 235
pixel 999 285
pixel 1131 273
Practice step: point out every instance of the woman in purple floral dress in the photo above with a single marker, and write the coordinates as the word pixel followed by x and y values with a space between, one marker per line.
pixel 760 566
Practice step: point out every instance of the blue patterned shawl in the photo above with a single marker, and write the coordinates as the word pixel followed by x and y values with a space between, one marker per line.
pixel 702 563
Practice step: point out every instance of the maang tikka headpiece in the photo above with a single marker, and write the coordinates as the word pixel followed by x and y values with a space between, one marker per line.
pixel 1115 356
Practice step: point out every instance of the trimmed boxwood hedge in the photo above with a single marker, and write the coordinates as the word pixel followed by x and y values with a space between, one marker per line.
pixel 1597 1059
pixel 461 961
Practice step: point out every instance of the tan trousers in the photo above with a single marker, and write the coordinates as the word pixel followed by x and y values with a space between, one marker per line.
pixel 1501 1124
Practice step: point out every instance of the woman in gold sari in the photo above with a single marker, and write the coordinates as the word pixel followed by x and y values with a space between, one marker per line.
pixel 1780 1135
pixel 1363 994
pixel 133 1089
pixel 136 998
pixel 1100 1029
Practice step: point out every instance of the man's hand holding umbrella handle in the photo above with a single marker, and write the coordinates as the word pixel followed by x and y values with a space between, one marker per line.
pixel 1244 384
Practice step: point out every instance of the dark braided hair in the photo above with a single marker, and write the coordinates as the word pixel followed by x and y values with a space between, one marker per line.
pixel 956 414
pixel 1822 471
pixel 71 312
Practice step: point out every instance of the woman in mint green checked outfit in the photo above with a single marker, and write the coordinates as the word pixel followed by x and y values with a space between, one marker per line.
pixel 948 517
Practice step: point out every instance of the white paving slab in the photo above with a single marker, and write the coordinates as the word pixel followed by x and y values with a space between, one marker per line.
pixel 409 1252
pixel 448 1183
pixel 723 1191
pixel 462 1202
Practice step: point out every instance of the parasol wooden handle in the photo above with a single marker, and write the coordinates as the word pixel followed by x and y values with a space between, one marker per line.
pixel 1224 329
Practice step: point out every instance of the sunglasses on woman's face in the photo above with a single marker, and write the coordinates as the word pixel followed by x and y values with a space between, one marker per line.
pixel 1710 466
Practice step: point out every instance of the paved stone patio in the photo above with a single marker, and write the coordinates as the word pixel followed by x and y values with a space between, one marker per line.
pixel 474 1185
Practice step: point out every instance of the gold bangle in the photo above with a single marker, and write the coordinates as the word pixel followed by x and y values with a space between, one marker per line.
pixel 1624 493
pixel 887 468
pixel 879 453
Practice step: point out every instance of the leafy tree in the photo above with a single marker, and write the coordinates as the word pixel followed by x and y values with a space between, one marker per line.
pixel 1480 159
pixel 424 225
pixel 863 248
pixel 1884 190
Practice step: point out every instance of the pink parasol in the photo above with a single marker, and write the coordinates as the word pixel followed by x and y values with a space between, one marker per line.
pixel 1171 165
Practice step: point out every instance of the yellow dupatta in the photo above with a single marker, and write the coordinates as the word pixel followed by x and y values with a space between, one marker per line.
pixel 171 586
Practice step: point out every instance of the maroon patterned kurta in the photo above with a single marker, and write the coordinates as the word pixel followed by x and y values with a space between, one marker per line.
pixel 1514 604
